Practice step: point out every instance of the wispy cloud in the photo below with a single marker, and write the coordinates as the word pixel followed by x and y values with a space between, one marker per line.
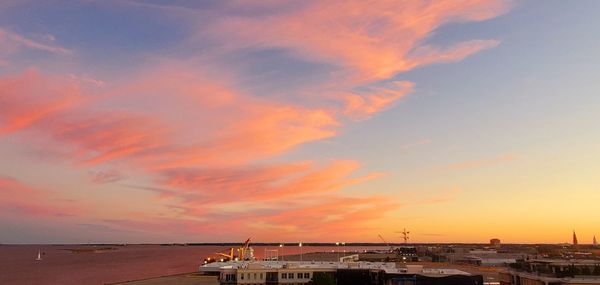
pixel 19 199
pixel 270 183
pixel 30 98
pixel 13 42
pixel 370 41
pixel 429 54
pixel 213 151
pixel 363 106
pixel 86 79
pixel 243 128
pixel 313 218
pixel 106 176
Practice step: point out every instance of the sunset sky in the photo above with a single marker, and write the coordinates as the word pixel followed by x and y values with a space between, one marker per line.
pixel 286 121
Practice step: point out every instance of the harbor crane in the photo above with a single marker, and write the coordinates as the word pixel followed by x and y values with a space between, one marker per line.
pixel 229 256
pixel 242 250
pixel 243 253
pixel 386 243
pixel 405 236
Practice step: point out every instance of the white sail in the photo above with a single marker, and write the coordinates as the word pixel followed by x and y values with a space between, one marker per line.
pixel 39 257
pixel 595 241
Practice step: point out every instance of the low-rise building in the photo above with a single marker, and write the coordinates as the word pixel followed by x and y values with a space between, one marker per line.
pixel 489 261
pixel 348 273
pixel 552 272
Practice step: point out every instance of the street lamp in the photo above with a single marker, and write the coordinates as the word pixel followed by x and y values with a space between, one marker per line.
pixel 281 246
pixel 337 250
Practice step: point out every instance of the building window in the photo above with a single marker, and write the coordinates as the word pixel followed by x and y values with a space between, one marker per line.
pixel 254 275
pixel 299 275
pixel 306 275
pixel 261 276
pixel 242 276
pixel 283 275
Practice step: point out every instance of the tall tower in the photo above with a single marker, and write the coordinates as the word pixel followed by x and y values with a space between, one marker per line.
pixel 405 235
pixel 575 239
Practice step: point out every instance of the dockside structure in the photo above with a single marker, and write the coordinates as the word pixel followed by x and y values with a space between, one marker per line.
pixel 341 273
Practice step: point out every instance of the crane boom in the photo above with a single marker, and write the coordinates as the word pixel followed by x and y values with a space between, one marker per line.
pixel 386 243
pixel 230 255
pixel 382 239
pixel 243 249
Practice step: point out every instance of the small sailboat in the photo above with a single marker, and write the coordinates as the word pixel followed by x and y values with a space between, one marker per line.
pixel 39 257
pixel 595 242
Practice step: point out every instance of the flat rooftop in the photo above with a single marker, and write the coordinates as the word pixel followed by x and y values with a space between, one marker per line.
pixel 388 267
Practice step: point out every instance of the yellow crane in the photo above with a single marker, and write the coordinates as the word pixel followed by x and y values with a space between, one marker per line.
pixel 242 252
pixel 229 256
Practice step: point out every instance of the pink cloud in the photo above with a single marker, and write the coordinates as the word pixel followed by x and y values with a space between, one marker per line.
pixel 106 176
pixel 314 218
pixel 267 183
pixel 20 199
pixel 372 41
pixel 277 200
pixel 324 215
pixel 54 110
pixel 429 54
pixel 247 129
pixel 362 106
pixel 229 127
pixel 225 131
pixel 31 98
pixel 281 200
pixel 213 151
pixel 109 136
pixel 368 43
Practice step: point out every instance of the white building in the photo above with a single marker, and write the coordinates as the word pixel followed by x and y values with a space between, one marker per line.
pixel 297 273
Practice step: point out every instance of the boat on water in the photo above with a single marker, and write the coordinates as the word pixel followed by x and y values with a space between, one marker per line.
pixel 39 256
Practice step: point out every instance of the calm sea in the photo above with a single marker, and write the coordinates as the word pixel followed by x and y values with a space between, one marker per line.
pixel 61 266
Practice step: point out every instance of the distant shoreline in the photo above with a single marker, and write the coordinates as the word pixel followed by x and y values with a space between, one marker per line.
pixel 286 244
